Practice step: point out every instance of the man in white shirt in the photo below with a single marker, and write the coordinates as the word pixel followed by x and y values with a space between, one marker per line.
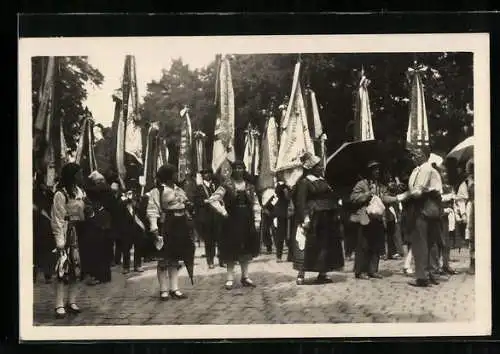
pixel 425 187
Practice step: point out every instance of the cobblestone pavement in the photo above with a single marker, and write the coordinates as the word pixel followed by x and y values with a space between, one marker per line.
pixel 133 299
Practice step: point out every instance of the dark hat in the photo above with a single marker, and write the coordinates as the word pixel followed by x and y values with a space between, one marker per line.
pixel 372 164
pixel 206 170
pixel 166 172
pixel 238 163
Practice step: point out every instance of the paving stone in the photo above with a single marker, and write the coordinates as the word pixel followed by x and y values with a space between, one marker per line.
pixel 133 299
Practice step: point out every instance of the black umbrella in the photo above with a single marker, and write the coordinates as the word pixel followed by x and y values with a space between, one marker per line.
pixel 347 165
pixel 188 255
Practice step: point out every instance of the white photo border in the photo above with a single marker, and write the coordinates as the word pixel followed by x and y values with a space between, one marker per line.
pixel 477 43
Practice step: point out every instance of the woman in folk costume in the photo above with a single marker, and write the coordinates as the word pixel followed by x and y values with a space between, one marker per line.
pixel 284 211
pixel 367 193
pixel 465 206
pixel 393 226
pixel 67 215
pixel 448 220
pixel 98 225
pixel 168 204
pixel 318 241
pixel 207 220
pixel 43 242
pixel 239 242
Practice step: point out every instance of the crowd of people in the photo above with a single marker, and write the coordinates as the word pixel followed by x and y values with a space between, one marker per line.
pixel 85 225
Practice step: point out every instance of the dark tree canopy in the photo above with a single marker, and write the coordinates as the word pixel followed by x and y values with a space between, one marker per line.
pixel 71 76
pixel 262 78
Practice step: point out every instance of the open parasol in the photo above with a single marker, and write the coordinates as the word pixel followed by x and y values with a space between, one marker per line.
pixel 463 151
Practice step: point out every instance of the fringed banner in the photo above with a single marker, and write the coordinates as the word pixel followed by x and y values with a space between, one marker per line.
pixel 295 138
pixel 269 155
pixel 418 129
pixel 363 129
pixel 199 144
pixel 151 163
pixel 85 155
pixel 223 147
pixel 185 166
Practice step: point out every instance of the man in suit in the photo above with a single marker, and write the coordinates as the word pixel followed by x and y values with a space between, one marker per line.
pixel 206 220
pixel 370 227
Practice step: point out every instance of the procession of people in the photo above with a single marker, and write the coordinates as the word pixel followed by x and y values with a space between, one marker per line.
pixel 86 222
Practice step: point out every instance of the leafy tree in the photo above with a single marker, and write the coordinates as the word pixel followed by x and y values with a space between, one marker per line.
pixel 71 76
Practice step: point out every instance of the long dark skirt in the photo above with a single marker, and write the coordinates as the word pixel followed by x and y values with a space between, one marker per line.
pixel 239 239
pixel 323 248
pixel 43 244
pixel 178 239
pixel 370 239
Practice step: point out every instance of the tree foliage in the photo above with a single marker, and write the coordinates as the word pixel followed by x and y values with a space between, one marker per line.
pixel 71 76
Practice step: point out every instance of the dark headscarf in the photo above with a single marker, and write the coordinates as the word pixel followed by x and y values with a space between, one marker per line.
pixel 68 177
pixel 166 173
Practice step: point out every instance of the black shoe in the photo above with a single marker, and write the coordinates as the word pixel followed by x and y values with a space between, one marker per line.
pixel 177 295
pixel 375 276
pixel 433 280
pixel 449 271
pixel 323 279
pixel 247 282
pixel 421 283
pixel 361 276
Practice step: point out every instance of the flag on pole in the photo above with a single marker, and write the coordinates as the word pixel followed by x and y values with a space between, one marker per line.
pixel 185 164
pixel 252 150
pixel 317 132
pixel 151 158
pixel 363 127
pixel 295 138
pixel 269 155
pixel 85 155
pixel 127 132
pixel 223 147
pixel 418 129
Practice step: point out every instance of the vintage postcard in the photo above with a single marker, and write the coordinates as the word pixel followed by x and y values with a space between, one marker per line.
pixel 254 187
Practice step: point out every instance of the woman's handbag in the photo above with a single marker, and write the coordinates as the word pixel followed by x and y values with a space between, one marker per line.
pixel 375 208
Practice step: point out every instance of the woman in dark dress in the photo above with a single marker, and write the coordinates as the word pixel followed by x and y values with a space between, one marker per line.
pixel 98 228
pixel 239 240
pixel 43 244
pixel 318 242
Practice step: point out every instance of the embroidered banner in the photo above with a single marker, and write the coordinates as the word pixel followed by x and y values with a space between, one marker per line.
pixel 295 138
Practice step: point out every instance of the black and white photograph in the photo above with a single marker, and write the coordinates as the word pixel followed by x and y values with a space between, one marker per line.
pixel 254 187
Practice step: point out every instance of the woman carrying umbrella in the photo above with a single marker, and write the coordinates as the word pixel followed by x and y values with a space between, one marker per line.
pixel 237 201
pixel 318 244
pixel 168 204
